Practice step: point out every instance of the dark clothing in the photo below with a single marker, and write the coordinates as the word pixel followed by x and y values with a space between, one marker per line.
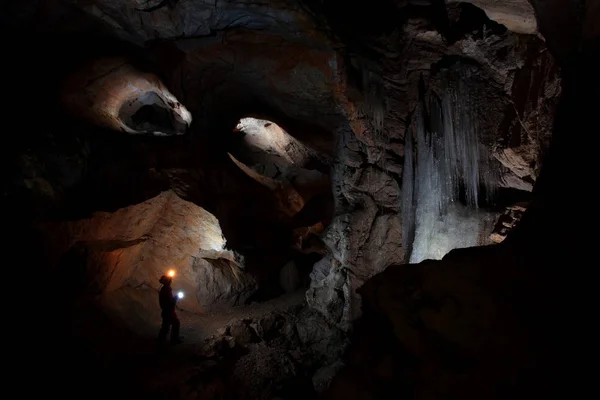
pixel 169 317
pixel 169 320
pixel 166 299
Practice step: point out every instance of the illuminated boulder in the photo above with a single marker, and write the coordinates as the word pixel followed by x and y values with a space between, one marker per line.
pixel 119 257
pixel 114 94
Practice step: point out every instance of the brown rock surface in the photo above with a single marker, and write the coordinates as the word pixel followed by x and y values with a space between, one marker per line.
pixel 507 221
pixel 360 86
pixel 289 200
pixel 509 71
pixel 120 256
pixel 516 15
pixel 113 94
pixel 343 77
pixel 280 162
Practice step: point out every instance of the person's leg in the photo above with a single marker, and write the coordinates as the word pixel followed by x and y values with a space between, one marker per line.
pixel 164 328
pixel 175 324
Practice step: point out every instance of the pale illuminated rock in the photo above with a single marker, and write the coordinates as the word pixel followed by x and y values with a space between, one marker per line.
pixel 114 94
pixel 123 254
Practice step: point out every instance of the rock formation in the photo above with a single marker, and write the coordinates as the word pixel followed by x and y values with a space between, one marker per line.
pixel 507 222
pixel 114 255
pixel 367 236
pixel 516 15
pixel 280 162
pixel 113 94
pixel 308 151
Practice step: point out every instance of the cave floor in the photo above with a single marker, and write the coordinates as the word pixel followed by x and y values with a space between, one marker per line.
pixel 213 353
pixel 196 328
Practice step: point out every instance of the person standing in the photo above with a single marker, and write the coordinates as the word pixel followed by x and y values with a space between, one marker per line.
pixel 170 320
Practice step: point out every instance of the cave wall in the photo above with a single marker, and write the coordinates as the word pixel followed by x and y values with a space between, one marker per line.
pixel 356 79
pixel 112 93
pixel 513 309
pixel 516 15
pixel 111 256
pixel 510 70
pixel 359 83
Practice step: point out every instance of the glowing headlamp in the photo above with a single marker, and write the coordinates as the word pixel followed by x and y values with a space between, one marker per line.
pixel 171 273
pixel 180 295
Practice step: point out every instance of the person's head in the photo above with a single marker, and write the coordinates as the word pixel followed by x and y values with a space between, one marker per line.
pixel 165 280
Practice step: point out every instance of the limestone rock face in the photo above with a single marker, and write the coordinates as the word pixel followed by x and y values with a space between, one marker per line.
pixel 455 328
pixel 141 20
pixel 514 84
pixel 509 71
pixel 347 79
pixel 516 15
pixel 120 256
pixel 113 94
pixel 357 91
pixel 288 277
pixel 255 72
pixel 507 221
pixel 280 162
pixel 560 23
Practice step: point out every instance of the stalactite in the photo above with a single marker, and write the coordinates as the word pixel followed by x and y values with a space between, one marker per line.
pixel 408 192
pixel 373 97
pixel 441 188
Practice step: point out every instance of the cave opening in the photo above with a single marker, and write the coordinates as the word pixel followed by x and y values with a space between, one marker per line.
pixel 147 113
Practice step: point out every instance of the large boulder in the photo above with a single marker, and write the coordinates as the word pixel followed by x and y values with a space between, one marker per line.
pixel 118 257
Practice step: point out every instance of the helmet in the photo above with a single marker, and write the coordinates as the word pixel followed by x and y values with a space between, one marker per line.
pixel 165 279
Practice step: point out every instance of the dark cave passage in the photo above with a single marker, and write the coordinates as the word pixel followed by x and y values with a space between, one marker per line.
pixel 146 114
